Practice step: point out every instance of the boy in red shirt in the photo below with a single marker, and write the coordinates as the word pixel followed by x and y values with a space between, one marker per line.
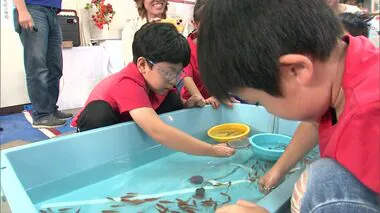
pixel 191 79
pixel 290 57
pixel 145 88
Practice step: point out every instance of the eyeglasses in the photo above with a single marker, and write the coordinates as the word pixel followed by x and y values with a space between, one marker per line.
pixel 168 75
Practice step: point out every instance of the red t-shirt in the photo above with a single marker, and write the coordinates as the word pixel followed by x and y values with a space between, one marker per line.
pixel 192 71
pixel 124 91
pixel 354 141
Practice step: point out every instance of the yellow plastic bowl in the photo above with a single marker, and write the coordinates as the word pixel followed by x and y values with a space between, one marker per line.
pixel 228 132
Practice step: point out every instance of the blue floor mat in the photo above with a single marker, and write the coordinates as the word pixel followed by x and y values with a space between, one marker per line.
pixel 16 127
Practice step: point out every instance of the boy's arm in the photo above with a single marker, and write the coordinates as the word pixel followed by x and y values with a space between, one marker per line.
pixel 24 17
pixel 173 138
pixel 304 140
pixel 188 82
pixel 191 87
pixel 196 99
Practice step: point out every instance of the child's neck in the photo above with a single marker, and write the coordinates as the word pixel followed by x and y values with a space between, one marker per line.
pixel 152 16
pixel 337 60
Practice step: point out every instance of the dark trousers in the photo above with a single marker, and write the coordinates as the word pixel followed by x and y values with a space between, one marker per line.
pixel 100 114
pixel 42 59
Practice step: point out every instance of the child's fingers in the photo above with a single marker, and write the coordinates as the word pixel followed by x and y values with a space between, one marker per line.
pixel 217 104
pixel 233 100
pixel 229 103
pixel 209 101
pixel 226 209
pixel 242 207
pixel 195 101
pixel 213 104
pixel 222 150
pixel 245 203
pixel 234 209
pixel 201 102
pixel 261 184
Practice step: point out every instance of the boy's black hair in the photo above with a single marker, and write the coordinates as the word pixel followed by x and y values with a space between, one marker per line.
pixel 161 42
pixel 198 10
pixel 357 24
pixel 241 41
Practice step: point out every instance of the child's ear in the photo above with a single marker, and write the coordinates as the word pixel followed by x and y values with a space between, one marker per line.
pixel 142 65
pixel 298 67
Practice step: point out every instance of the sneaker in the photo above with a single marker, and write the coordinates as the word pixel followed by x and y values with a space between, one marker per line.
pixel 49 121
pixel 62 115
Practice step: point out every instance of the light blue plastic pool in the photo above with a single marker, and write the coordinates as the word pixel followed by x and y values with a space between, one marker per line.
pixel 80 171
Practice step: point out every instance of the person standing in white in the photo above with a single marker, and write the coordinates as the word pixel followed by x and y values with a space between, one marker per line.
pixel 341 7
pixel 148 10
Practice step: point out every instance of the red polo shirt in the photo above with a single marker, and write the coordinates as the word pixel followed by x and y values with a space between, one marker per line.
pixel 192 70
pixel 354 141
pixel 124 91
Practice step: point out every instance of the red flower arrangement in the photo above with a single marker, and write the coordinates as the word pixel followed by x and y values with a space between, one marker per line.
pixel 104 13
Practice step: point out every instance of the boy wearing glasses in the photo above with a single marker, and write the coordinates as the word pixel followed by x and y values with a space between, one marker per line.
pixel 144 89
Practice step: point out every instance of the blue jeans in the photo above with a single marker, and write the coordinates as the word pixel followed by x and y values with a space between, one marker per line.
pixel 42 59
pixel 331 188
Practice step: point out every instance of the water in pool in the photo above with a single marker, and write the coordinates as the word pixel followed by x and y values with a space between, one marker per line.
pixel 164 186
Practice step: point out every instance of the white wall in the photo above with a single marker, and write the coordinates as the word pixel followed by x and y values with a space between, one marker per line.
pixel 12 77
pixel 12 70
pixel 124 9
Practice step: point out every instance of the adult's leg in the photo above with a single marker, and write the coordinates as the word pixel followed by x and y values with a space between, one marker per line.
pixel 54 57
pixel 35 49
pixel 97 114
pixel 55 64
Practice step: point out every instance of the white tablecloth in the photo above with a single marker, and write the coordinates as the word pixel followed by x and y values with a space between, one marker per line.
pixel 114 49
pixel 83 68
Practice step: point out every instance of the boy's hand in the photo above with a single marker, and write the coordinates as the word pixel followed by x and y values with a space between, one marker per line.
pixel 242 207
pixel 213 102
pixel 195 101
pixel 25 20
pixel 229 102
pixel 222 150
pixel 270 180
